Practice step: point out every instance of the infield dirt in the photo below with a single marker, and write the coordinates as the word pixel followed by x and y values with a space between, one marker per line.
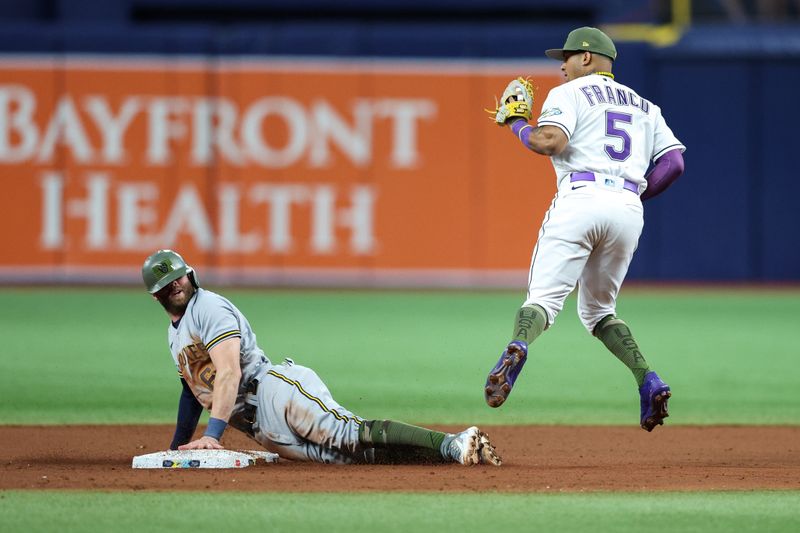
pixel 536 459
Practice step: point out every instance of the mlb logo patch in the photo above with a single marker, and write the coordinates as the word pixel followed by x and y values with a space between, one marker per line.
pixel 611 183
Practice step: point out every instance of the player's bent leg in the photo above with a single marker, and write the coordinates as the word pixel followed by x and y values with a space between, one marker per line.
pixel 616 336
pixel 388 433
pixel 297 413
pixel 398 442
pixel 653 392
pixel 605 270
pixel 532 319
pixel 558 259
pixel 530 322
pixel 298 419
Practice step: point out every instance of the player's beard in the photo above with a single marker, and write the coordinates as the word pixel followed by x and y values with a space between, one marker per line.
pixel 175 304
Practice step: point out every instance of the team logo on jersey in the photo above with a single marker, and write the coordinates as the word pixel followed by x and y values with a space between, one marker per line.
pixel 550 112
pixel 163 268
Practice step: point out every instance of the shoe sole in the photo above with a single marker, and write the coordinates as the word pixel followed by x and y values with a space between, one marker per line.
pixel 498 388
pixel 660 411
pixel 486 452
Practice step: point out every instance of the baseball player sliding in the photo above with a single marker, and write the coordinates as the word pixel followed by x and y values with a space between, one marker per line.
pixel 284 407
pixel 601 137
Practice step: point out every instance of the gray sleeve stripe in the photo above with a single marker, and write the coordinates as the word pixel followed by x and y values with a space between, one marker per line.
pixel 219 338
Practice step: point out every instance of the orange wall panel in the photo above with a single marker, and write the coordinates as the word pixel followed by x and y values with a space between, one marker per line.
pixel 286 169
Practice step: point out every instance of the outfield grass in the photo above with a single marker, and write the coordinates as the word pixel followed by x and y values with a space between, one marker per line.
pixel 100 356
pixel 192 512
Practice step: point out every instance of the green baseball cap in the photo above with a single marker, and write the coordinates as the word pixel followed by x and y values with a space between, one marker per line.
pixel 585 39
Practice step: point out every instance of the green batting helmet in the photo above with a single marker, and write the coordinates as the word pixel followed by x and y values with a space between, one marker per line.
pixel 162 268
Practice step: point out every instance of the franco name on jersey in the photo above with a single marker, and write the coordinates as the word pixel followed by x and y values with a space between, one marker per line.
pixel 620 96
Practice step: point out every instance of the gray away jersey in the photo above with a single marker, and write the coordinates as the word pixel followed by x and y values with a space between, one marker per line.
pixel 210 319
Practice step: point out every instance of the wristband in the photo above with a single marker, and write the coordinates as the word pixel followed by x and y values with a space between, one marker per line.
pixel 215 428
pixel 521 130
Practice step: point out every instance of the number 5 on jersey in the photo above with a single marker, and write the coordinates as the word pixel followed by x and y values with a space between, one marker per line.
pixel 614 130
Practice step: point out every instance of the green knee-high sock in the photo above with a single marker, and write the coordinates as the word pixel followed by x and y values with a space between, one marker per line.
pixel 530 322
pixel 617 337
pixel 383 433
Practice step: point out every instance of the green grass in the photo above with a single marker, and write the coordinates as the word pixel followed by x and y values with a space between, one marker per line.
pixel 192 512
pixel 100 356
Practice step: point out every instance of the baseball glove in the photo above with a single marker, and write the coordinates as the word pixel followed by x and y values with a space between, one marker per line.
pixel 516 102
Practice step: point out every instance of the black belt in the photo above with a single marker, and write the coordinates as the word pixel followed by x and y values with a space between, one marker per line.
pixel 249 408
pixel 245 418
pixel 252 387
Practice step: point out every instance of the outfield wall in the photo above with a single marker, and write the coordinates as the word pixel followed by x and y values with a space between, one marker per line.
pixel 349 163
pixel 287 170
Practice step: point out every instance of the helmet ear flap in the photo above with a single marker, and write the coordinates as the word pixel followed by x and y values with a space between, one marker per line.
pixel 192 275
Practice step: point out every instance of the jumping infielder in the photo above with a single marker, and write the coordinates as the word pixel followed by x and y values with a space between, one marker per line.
pixel 601 137
pixel 286 408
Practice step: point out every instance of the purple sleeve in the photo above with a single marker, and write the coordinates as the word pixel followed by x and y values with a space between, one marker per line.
pixel 522 130
pixel 666 170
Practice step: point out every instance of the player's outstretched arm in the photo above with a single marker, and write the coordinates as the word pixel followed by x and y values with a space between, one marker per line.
pixel 225 357
pixel 545 140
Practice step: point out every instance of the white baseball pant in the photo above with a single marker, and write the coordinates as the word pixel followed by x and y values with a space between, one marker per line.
pixel 587 238
pixel 297 417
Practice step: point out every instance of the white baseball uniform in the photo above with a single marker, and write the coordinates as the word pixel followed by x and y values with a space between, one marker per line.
pixel 592 228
